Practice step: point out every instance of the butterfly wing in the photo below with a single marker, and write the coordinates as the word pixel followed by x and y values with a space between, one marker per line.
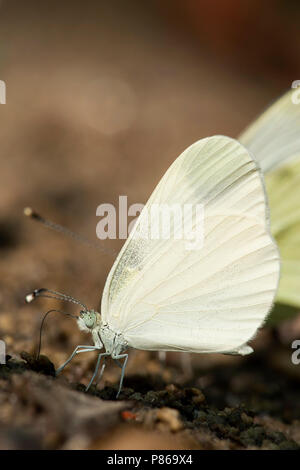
pixel 275 136
pixel 163 296
pixel 283 188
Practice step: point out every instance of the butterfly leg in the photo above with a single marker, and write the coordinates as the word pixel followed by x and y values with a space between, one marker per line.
pixel 101 371
pixel 77 350
pixel 186 365
pixel 96 369
pixel 119 364
pixel 185 362
pixel 125 357
pixel 162 357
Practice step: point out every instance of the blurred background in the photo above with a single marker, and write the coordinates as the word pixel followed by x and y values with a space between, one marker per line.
pixel 101 98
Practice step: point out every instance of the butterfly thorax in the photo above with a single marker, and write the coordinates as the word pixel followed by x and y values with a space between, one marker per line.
pixel 103 335
pixel 114 343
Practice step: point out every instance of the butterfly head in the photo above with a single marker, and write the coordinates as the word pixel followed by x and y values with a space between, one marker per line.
pixel 88 319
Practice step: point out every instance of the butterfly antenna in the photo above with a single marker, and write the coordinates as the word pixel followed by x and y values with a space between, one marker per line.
pixel 52 294
pixel 29 212
pixel 42 325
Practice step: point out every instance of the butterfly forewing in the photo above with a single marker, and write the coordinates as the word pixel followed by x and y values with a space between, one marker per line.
pixel 163 296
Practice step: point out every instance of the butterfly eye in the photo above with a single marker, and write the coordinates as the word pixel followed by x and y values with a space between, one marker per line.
pixel 88 317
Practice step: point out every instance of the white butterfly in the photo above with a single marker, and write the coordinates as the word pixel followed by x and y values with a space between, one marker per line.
pixel 160 296
pixel 274 139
